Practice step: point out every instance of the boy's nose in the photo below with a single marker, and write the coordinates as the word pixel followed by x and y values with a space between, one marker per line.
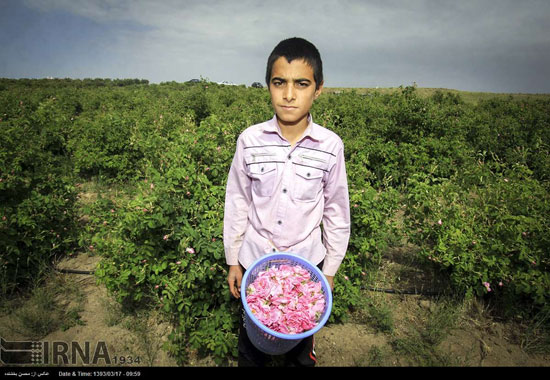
pixel 289 93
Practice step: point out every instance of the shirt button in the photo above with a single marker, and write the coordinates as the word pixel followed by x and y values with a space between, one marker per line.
pixel 274 250
pixel 289 156
pixel 308 174
pixel 284 190
pixel 279 222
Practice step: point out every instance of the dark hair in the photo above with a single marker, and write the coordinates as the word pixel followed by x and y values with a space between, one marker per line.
pixel 297 48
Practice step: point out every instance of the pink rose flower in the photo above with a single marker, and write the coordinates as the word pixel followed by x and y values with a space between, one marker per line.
pixel 286 299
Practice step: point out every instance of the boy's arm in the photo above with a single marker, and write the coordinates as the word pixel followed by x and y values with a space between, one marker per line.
pixel 237 201
pixel 336 217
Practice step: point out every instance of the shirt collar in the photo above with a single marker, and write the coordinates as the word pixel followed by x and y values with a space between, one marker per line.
pixel 311 131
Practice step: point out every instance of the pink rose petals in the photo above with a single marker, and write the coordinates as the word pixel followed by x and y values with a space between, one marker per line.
pixel 286 299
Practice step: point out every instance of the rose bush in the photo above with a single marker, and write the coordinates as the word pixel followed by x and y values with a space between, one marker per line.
pixel 471 179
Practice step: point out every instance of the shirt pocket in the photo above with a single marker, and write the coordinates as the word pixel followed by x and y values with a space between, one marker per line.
pixel 264 178
pixel 308 182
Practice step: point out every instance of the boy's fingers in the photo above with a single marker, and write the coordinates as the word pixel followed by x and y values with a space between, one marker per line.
pixel 234 279
pixel 235 290
pixel 231 287
pixel 238 288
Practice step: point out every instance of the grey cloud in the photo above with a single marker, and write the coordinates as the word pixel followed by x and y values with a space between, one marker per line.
pixel 472 45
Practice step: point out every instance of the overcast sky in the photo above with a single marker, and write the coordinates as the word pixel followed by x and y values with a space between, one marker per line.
pixel 473 45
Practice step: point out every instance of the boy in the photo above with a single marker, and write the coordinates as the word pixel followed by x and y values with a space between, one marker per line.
pixel 287 177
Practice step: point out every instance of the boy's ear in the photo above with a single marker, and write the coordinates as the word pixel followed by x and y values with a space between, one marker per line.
pixel 319 90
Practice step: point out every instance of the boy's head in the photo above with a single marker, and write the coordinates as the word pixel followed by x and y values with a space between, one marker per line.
pixel 297 48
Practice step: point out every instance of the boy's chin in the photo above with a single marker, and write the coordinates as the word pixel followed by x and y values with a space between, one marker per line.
pixel 290 120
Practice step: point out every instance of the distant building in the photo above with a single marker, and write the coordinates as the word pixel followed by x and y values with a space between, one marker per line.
pixel 226 83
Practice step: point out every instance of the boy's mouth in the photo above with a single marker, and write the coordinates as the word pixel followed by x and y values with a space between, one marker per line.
pixel 288 107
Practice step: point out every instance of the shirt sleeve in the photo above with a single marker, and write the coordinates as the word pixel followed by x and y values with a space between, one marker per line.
pixel 237 203
pixel 336 216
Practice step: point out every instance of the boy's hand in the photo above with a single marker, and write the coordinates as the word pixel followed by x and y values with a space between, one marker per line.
pixel 330 280
pixel 234 278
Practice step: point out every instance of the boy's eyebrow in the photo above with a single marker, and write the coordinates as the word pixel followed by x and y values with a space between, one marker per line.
pixel 295 80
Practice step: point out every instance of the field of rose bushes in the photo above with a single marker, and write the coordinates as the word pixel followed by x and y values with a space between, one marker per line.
pixel 471 181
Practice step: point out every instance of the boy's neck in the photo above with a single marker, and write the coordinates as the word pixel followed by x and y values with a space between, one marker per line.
pixel 293 132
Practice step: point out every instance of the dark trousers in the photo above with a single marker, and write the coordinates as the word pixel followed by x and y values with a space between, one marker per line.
pixel 302 355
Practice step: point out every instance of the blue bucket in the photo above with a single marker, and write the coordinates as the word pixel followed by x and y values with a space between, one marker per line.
pixel 263 338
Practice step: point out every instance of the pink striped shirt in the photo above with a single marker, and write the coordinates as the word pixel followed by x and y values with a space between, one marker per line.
pixel 278 195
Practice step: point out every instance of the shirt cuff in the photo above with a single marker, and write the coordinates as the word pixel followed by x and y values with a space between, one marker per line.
pixel 232 256
pixel 330 266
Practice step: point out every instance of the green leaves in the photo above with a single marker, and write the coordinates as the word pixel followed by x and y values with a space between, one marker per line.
pixel 37 199
pixel 495 232
pixel 468 182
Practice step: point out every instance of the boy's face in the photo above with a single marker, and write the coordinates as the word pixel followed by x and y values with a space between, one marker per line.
pixel 292 89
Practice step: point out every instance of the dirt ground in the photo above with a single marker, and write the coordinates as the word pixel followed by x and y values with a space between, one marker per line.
pixel 474 342
pixel 354 344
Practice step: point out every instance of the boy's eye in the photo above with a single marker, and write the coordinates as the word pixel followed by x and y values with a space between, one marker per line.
pixel 278 83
